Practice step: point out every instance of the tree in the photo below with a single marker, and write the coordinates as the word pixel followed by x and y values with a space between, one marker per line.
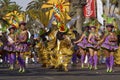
pixel 77 7
pixel 36 4
pixel 36 15
pixel 6 6
pixel 119 5
pixel 114 3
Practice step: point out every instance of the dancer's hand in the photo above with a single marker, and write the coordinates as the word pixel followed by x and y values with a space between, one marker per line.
pixel 96 46
pixel 91 42
pixel 75 42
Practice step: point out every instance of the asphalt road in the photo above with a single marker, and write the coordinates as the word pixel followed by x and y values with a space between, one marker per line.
pixel 36 72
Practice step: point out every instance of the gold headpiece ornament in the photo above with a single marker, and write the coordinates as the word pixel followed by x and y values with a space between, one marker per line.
pixel 60 9
pixel 14 18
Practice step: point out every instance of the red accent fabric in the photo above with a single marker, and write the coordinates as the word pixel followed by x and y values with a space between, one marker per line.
pixel 90 9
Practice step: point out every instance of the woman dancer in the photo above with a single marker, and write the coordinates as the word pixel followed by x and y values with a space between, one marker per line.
pixel 93 49
pixel 109 45
pixel 22 46
pixel 82 43
pixel 10 47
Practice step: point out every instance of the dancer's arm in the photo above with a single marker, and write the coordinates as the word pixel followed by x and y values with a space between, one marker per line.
pixel 89 37
pixel 103 39
pixel 83 35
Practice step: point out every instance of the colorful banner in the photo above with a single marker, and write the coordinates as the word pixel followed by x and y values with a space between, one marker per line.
pixel 100 11
pixel 89 9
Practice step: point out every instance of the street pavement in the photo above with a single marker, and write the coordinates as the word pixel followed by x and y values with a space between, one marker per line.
pixel 36 72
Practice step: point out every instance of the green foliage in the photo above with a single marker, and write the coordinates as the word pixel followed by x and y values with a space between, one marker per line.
pixel 6 6
pixel 109 20
pixel 35 11
pixel 36 4
pixel 117 32
pixel 104 2
pixel 114 2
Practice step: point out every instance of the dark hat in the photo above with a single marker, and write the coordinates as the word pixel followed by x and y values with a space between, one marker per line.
pixel 22 23
pixel 87 27
pixel 93 27
pixel 110 25
pixel 12 27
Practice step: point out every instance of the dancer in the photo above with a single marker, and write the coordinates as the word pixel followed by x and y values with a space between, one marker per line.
pixel 10 47
pixel 82 43
pixel 109 45
pixel 22 46
pixel 93 48
pixel 64 49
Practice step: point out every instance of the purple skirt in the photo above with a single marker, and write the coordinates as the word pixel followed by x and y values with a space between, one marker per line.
pixel 114 48
pixel 111 47
pixel 106 46
pixel 82 45
pixel 22 47
pixel 9 48
pixel 93 46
